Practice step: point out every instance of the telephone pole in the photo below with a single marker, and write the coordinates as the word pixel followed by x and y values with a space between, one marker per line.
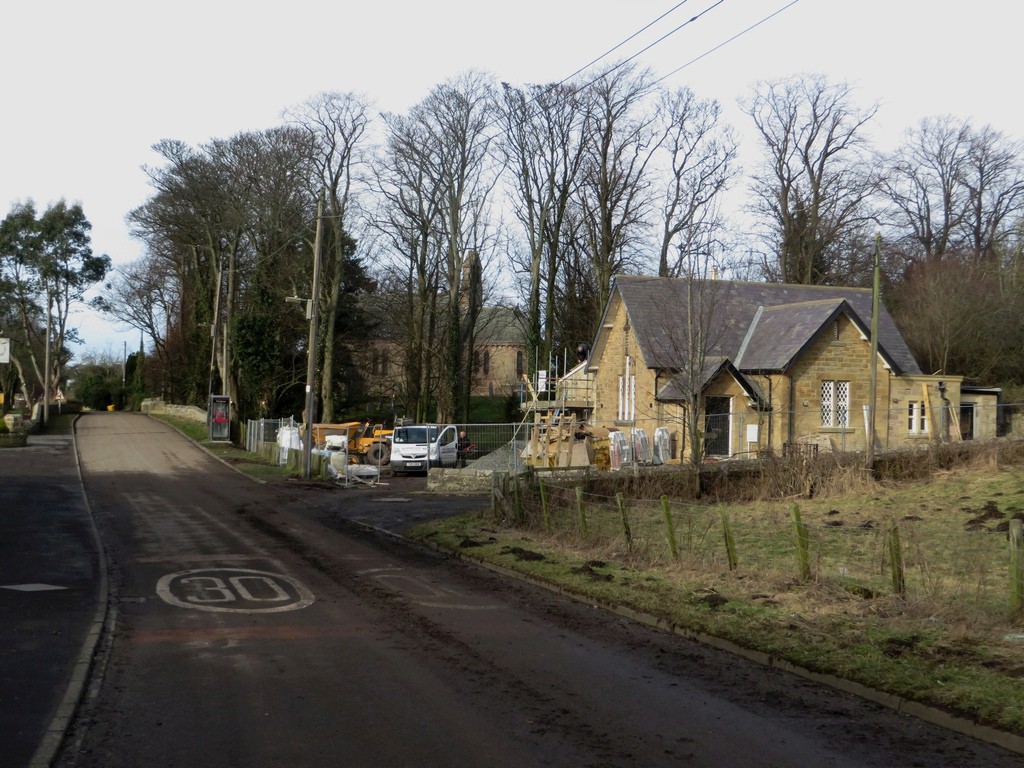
pixel 314 322
pixel 869 455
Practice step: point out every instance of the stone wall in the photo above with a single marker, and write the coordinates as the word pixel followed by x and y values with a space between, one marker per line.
pixel 190 412
pixel 453 481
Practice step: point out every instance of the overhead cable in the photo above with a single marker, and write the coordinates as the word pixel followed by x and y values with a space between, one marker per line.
pixel 726 42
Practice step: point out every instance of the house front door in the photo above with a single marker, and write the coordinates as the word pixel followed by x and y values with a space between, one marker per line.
pixel 967 421
pixel 717 426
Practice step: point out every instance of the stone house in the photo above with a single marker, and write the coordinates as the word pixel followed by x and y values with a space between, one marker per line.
pixel 774 366
pixel 377 363
pixel 499 352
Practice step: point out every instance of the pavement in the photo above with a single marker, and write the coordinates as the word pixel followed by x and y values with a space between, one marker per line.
pixel 52 597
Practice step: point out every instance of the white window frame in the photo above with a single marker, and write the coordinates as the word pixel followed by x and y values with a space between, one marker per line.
pixel 835 403
pixel 626 410
pixel 917 417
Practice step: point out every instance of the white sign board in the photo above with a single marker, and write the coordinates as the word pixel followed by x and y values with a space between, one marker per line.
pixel 5 350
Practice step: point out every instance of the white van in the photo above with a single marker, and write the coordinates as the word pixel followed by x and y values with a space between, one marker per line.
pixel 418 447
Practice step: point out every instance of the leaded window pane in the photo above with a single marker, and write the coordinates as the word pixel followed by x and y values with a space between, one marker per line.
pixel 842 403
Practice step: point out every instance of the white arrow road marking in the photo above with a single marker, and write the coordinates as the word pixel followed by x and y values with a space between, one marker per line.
pixel 31 587
pixel 419 591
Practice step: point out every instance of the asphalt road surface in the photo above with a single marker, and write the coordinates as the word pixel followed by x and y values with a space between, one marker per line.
pixel 257 625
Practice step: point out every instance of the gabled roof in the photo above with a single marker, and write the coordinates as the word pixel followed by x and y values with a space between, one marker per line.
pixel 500 325
pixel 778 335
pixel 384 312
pixel 759 326
pixel 678 385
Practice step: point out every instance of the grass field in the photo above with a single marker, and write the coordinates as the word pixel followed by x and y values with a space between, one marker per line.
pixel 952 639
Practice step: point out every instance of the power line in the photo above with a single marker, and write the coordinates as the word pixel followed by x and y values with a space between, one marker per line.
pixel 660 40
pixel 616 47
pixel 726 42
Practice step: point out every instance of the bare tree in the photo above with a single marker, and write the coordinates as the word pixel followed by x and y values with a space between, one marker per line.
pixel 438 180
pixel 144 295
pixel 946 326
pixel 409 218
pixel 922 185
pixel 699 162
pixel 993 174
pixel 953 192
pixel 812 189
pixel 621 136
pixel 336 124
pixel 544 151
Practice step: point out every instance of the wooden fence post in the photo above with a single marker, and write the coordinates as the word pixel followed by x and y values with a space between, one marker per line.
pixel 899 583
pixel 544 504
pixel 802 542
pixel 670 528
pixel 581 510
pixel 730 541
pixel 621 502
pixel 1017 565
pixel 517 501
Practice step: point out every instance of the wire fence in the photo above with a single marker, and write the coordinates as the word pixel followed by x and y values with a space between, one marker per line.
pixel 495 447
pixel 975 568
pixel 646 441
pixel 271 438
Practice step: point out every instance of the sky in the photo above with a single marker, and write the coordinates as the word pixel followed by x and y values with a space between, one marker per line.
pixel 88 88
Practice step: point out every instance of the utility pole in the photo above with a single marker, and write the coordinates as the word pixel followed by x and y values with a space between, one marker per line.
pixel 46 357
pixel 314 321
pixel 869 454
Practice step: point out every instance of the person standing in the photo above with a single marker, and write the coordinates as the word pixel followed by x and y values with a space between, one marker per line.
pixel 462 448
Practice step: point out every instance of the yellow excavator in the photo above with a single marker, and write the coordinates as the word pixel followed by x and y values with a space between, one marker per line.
pixel 367 443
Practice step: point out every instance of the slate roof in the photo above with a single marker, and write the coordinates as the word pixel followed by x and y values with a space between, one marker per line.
pixel 494 324
pixel 758 326
pixel 500 325
pixel 678 386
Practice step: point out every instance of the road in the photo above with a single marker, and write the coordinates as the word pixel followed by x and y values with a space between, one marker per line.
pixel 257 625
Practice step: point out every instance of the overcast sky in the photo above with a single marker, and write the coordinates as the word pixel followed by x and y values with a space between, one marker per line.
pixel 88 88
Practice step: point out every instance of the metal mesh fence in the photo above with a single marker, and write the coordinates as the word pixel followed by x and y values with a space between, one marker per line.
pixel 261 435
pixel 496 447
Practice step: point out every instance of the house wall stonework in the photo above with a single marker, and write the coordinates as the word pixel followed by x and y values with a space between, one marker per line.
pixel 620 343
pixel 984 408
pixel 838 354
pixel 500 376
pixel 924 393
